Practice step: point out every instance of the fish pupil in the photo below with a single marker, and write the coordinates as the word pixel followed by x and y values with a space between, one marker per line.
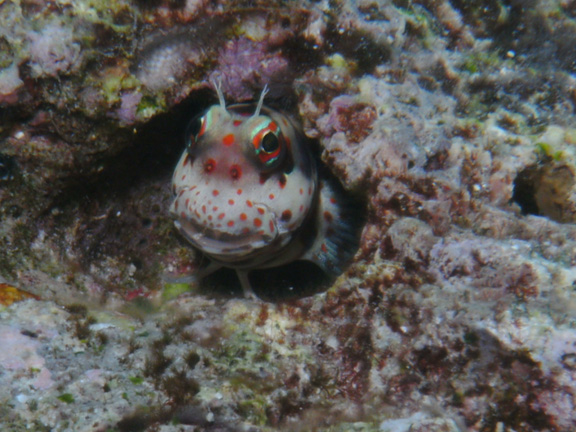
pixel 270 143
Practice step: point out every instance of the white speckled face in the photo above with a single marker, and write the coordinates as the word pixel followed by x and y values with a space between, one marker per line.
pixel 245 183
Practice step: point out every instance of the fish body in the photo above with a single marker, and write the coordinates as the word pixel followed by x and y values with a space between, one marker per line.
pixel 247 194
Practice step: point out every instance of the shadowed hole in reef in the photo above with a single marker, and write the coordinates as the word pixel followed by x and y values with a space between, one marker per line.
pixel 291 281
pixel 119 212
pixel 524 191
pixel 153 154
pixel 544 190
pixel 7 168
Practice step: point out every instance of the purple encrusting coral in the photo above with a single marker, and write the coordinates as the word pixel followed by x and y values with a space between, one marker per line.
pixel 244 66
pixel 454 120
pixel 53 50
pixel 128 107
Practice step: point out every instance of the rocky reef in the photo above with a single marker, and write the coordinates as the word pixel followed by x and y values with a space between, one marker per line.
pixel 454 121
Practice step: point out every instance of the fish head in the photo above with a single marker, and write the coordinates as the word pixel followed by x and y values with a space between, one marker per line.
pixel 245 182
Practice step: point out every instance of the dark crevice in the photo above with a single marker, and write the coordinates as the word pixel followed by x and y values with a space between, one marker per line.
pixel 291 281
pixel 544 190
pixel 153 154
pixel 524 193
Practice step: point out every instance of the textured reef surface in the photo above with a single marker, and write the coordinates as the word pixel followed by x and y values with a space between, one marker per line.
pixel 455 122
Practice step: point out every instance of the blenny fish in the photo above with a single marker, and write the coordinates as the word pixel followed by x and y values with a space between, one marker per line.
pixel 249 194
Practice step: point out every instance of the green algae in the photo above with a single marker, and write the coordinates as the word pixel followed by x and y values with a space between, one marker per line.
pixel 547 150
pixel 67 398
pixel 482 62
pixel 173 290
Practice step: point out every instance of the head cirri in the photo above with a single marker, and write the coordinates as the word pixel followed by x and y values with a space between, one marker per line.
pixel 247 187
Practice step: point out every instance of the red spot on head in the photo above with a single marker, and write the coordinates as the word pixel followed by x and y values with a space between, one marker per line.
pixel 176 205
pixel 243 216
pixel 187 202
pixel 209 165
pixel 260 210
pixel 264 177
pixel 184 177
pixel 333 200
pixel 215 192
pixel 249 203
pixel 183 215
pixel 271 226
pixel 204 209
pixel 231 201
pixel 301 208
pixel 230 223
pixel 235 172
pixel 328 216
pixel 186 160
pixel 282 181
pixel 257 222
pixel 215 208
pixel 245 230
pixel 271 196
pixel 228 140
pixel 239 191
pixel 221 216
pixel 237 123
pixel 301 191
pixel 209 217
pixel 286 215
pixel 324 248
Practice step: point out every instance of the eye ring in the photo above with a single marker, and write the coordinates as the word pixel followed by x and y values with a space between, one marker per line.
pixel 269 143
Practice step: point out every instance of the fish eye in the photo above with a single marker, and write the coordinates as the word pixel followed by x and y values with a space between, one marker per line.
pixel 269 143
pixel 195 126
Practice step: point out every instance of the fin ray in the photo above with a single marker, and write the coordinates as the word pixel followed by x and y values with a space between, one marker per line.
pixel 339 222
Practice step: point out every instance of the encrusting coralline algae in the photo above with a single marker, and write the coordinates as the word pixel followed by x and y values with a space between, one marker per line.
pixel 454 120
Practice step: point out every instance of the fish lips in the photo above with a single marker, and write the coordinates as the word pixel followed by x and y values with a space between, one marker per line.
pixel 225 245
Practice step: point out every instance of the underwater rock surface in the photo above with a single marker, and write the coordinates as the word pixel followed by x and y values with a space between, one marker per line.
pixel 455 120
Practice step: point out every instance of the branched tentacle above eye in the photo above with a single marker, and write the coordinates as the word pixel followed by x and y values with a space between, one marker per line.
pixel 261 101
pixel 217 84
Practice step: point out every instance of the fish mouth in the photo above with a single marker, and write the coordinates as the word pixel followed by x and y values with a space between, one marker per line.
pixel 225 245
